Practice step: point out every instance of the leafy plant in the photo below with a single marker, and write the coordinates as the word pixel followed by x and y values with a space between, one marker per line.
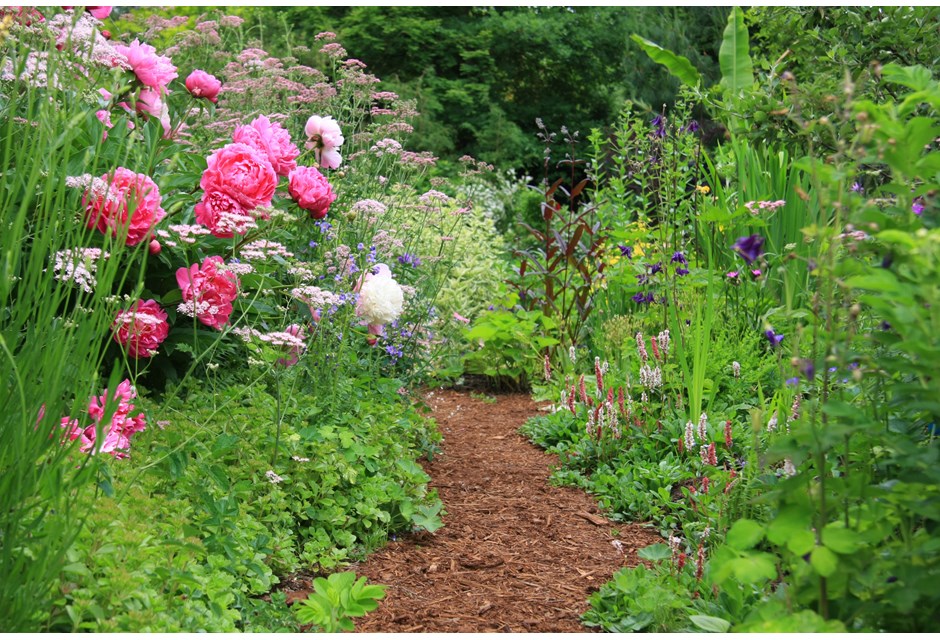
pixel 336 600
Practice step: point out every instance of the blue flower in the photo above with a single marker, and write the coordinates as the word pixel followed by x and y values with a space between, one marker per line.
pixel 682 272
pixel 678 256
pixel 655 268
pixel 749 247
pixel 660 123
pixel 775 338
pixel 625 251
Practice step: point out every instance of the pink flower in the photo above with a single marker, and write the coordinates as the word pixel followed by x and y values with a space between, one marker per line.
pixel 221 214
pixel 271 139
pixel 203 85
pixel 141 330
pixel 311 190
pixel 242 173
pixel 108 205
pixel 154 71
pixel 151 103
pixel 99 13
pixel 294 350
pixel 119 431
pixel 325 137
pixel 208 292
pixel 460 318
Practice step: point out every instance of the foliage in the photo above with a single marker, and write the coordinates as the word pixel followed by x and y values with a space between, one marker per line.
pixel 338 599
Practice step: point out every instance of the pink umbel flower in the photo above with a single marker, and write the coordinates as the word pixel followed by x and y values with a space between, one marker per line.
pixel 118 433
pixel 325 137
pixel 141 330
pixel 152 70
pixel 203 85
pixel 242 173
pixel 311 191
pixel 223 215
pixel 272 140
pixel 109 201
pixel 208 291
pixel 292 340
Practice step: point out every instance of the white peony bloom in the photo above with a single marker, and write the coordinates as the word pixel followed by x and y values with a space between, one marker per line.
pixel 380 299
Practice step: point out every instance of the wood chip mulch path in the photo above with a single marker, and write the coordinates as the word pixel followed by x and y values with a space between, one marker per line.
pixel 516 554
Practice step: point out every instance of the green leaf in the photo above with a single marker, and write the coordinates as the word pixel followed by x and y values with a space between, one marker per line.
pixel 654 552
pixel 710 623
pixel 789 522
pixel 754 568
pixel 841 540
pixel 824 561
pixel 744 534
pixel 876 280
pixel 801 542
pixel 737 72
pixel 917 77
pixel 679 66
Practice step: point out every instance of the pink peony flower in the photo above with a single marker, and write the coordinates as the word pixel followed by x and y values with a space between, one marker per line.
pixel 99 13
pixel 242 173
pixel 325 137
pixel 203 85
pixel 141 330
pixel 154 71
pixel 272 140
pixel 311 191
pixel 208 292
pixel 151 103
pixel 222 215
pixel 118 433
pixel 124 200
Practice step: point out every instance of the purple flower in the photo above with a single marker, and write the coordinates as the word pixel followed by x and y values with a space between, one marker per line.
pixel 692 127
pixel 682 272
pixel 750 247
pixel 679 257
pixel 857 187
pixel 793 381
pixel 918 206
pixel 638 298
pixel 655 268
pixel 775 338
pixel 642 278
pixel 755 273
pixel 808 369
pixel 732 275
pixel 660 123
pixel 625 251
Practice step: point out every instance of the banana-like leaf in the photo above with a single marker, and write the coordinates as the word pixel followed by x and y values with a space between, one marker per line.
pixel 679 66
pixel 737 72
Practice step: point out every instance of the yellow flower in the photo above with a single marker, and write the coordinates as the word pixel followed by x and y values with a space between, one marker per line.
pixel 704 189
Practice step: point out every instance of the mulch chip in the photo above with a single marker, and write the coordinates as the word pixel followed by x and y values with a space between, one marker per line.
pixel 516 554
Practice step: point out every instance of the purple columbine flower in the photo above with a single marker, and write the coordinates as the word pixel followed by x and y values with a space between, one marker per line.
pixel 682 272
pixel 750 247
pixel 660 123
pixel 625 251
pixel 918 206
pixel 638 298
pixel 692 127
pixel 679 257
pixel 775 338
pixel 857 187
pixel 808 369
pixel 655 268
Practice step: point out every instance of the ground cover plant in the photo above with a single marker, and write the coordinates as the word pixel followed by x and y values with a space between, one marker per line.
pixel 228 273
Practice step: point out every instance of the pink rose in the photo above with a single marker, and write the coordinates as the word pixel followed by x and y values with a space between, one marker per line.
pixel 271 139
pixel 208 292
pixel 241 172
pixel 141 330
pixel 325 137
pixel 203 85
pixel 99 13
pixel 107 205
pixel 154 71
pixel 311 190
pixel 222 215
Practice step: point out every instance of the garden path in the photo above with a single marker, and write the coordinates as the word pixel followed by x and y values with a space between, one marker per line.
pixel 515 554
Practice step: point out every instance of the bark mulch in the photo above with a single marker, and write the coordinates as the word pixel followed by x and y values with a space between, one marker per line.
pixel 515 554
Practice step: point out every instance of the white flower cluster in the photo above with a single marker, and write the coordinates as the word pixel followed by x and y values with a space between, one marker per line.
pixel 79 266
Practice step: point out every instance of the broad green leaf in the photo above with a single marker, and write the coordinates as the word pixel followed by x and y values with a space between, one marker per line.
pixel 655 552
pixel 789 522
pixel 744 534
pixel 801 542
pixel 737 72
pixel 876 280
pixel 679 66
pixel 824 561
pixel 839 539
pixel 754 568
pixel 917 77
pixel 710 623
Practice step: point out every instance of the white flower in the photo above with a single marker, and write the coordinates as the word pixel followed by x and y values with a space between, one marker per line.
pixel 380 299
